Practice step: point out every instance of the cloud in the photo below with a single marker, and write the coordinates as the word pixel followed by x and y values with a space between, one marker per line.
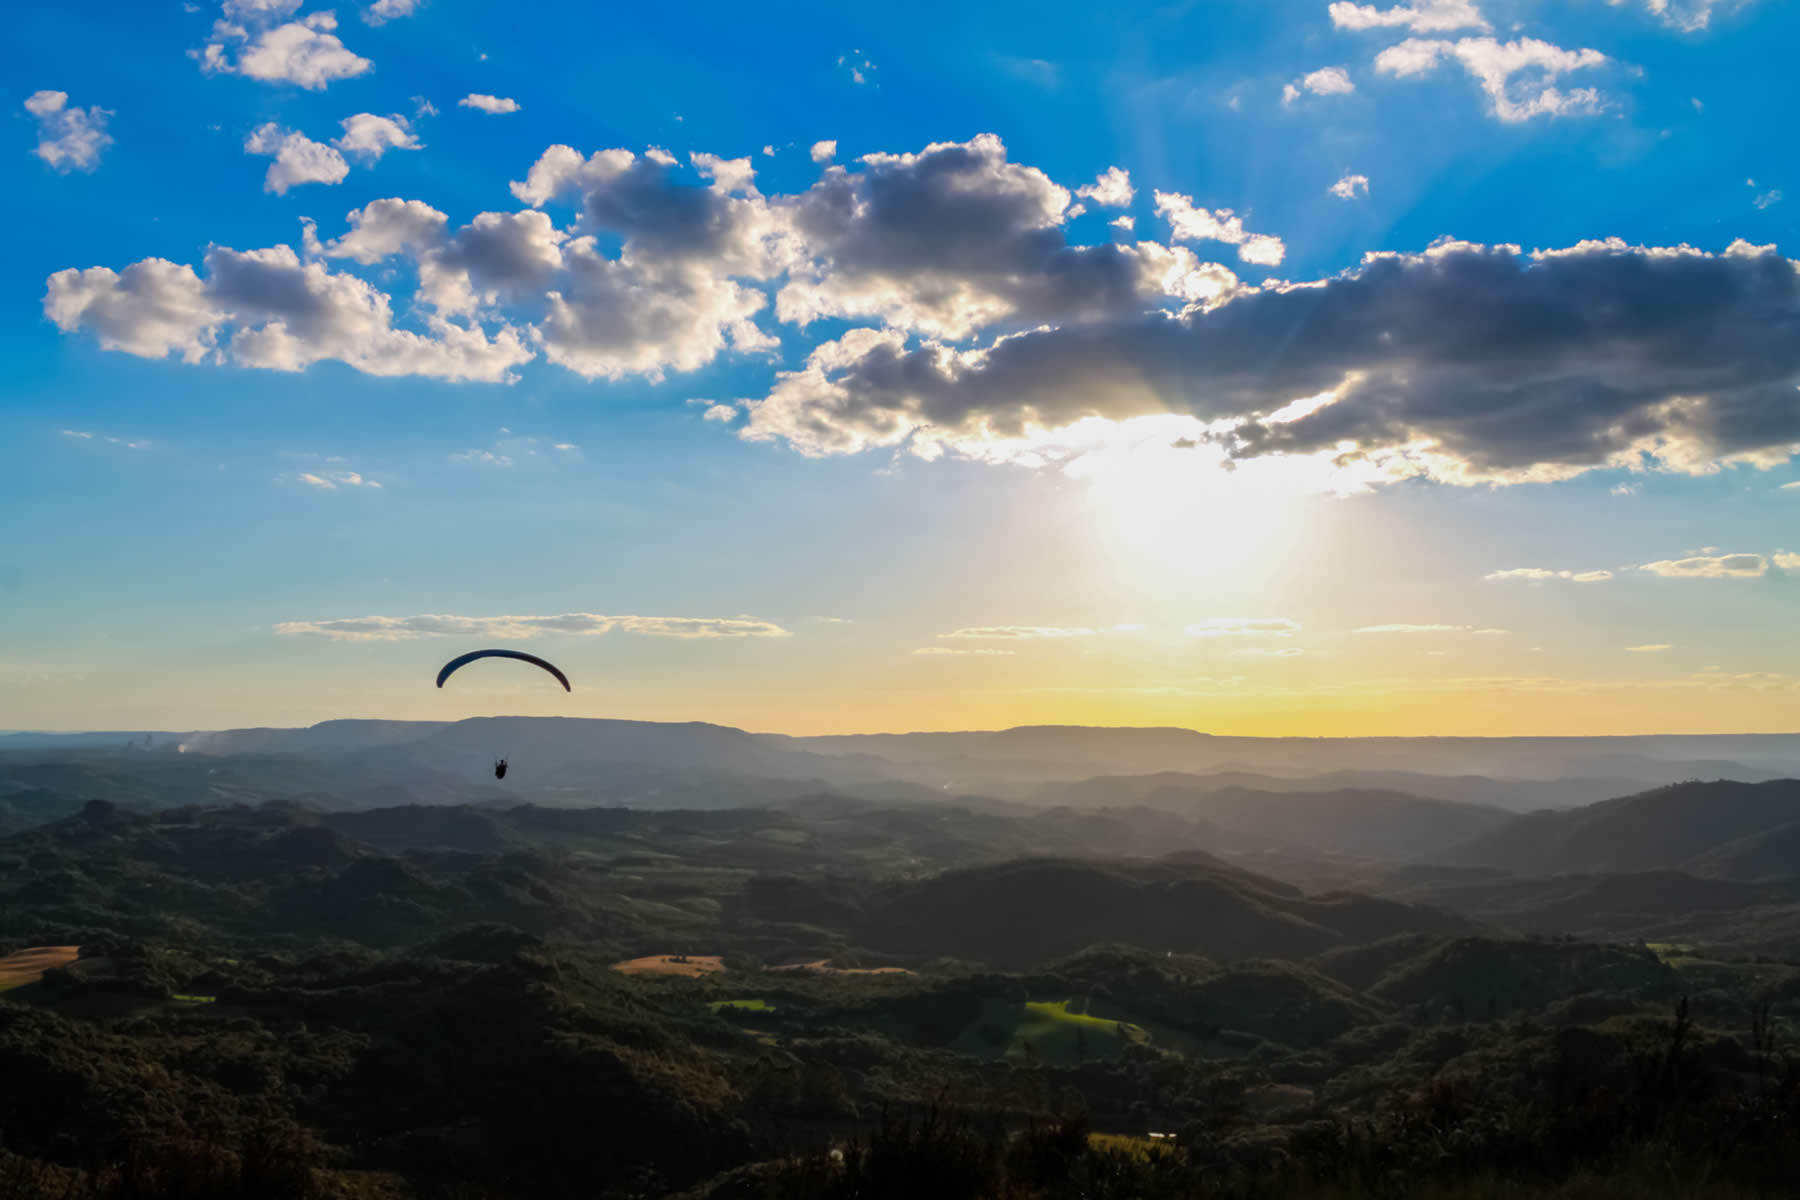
pixel 1414 629
pixel 1541 575
pixel 1031 632
pixel 1267 652
pixel 84 435
pixel 1243 627
pixel 1189 223
pixel 1466 364
pixel 825 151
pixel 1649 648
pixel 393 226
pixel 1789 486
pixel 956 237
pixel 1431 16
pixel 287 314
pixel 1762 200
pixel 1495 65
pixel 1350 186
pixel 304 52
pixel 1111 190
pixel 332 480
pixel 298 159
pixel 383 11
pixel 393 629
pixel 1326 81
pixel 1787 560
pixel 68 138
pixel 1126 223
pixel 938 651
pixel 369 136
pixel 489 104
pixel 1687 16
pixel 1720 566
pixel 720 412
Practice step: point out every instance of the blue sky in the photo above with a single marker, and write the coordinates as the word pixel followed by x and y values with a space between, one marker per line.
pixel 1046 451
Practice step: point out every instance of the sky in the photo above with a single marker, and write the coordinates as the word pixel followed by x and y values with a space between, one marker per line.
pixel 1252 366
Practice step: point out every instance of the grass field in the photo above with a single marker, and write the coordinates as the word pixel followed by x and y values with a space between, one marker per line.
pixel 28 966
pixel 751 1005
pixel 1046 1031
pixel 822 967
pixel 1674 954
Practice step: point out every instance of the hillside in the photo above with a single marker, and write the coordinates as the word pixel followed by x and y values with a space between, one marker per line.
pixel 1671 828
pixel 1024 912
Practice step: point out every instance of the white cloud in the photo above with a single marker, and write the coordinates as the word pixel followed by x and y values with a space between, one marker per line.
pixel 1649 648
pixel 1719 566
pixel 111 439
pixel 1430 16
pixel 1789 486
pixel 1189 224
pixel 298 159
pixel 1542 575
pixel 1349 186
pixel 1111 190
pixel 1019 633
pixel 825 151
pixel 393 629
pixel 1518 77
pixel 489 104
pixel 383 11
pixel 1787 560
pixel 1687 16
pixel 1326 81
pixel 423 107
pixel 1767 199
pixel 944 651
pixel 769 150
pixel 304 52
pixel 1268 652
pixel 68 138
pixel 332 480
pixel 1126 223
pixel 369 136
pixel 384 227
pixel 288 314
pixel 1243 627
pixel 721 412
pixel 1413 629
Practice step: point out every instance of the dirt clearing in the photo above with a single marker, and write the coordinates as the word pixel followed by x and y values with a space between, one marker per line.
pixel 28 966
pixel 671 964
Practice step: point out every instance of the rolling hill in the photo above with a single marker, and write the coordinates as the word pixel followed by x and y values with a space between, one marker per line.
pixel 1703 828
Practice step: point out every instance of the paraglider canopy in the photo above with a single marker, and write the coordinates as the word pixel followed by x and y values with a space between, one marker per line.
pixel 454 664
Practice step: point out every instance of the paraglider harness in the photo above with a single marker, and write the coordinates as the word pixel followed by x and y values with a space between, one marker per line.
pixel 499 768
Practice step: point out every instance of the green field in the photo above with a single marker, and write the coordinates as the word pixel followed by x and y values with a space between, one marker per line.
pixel 1674 954
pixel 1045 1031
pixel 753 1005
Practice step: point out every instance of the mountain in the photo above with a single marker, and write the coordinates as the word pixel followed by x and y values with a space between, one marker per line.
pixel 1692 826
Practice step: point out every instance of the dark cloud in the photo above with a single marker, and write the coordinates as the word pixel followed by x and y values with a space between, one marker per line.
pixel 1497 362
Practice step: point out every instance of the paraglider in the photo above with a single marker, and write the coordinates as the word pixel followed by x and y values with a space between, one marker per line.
pixel 457 663
pixel 460 661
